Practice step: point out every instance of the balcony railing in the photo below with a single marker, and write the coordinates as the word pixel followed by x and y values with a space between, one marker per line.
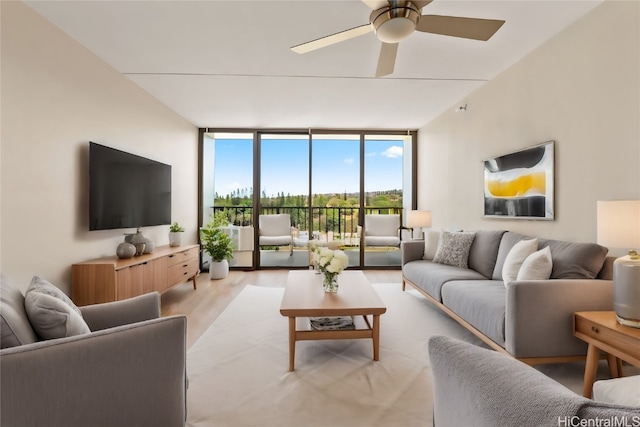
pixel 338 220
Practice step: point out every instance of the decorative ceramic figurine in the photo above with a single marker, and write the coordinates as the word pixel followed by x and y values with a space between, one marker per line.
pixel 138 239
pixel 125 250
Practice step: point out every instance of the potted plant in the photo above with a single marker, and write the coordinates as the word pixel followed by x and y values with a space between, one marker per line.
pixel 219 246
pixel 175 234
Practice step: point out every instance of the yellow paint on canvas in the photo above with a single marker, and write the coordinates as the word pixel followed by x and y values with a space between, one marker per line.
pixel 520 186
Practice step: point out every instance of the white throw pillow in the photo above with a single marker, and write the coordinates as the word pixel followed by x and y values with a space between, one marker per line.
pixel 431 239
pixel 51 313
pixel 537 266
pixel 516 256
pixel 618 391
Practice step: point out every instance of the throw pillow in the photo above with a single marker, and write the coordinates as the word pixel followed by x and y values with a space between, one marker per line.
pixel 15 328
pixel 516 256
pixel 453 248
pixel 431 239
pixel 618 391
pixel 537 266
pixel 52 314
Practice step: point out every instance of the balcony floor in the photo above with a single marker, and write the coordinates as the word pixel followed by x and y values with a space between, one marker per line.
pixel 375 257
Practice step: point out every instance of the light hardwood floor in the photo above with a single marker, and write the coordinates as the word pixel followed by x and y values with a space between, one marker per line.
pixel 203 305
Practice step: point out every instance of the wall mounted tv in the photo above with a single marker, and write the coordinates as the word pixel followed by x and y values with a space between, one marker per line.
pixel 127 191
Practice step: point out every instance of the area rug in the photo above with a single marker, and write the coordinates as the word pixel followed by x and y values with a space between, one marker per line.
pixel 238 369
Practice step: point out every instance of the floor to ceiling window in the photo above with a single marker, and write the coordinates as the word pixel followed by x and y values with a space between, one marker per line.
pixel 283 201
pixel 313 186
pixel 227 189
pixel 335 189
pixel 384 195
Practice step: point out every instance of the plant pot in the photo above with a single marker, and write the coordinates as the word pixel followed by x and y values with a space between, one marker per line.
pixel 218 269
pixel 175 238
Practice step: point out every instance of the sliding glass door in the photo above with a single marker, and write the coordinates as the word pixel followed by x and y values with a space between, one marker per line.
pixel 335 189
pixel 227 190
pixel 384 196
pixel 281 190
pixel 284 204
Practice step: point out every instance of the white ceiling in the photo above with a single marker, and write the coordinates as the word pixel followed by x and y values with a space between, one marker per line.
pixel 228 63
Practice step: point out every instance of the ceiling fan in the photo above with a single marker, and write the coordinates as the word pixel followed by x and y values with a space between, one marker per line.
pixel 395 20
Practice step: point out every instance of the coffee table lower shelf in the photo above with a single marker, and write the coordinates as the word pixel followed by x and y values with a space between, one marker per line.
pixel 300 330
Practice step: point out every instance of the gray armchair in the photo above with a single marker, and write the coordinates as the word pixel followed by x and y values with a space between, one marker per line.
pixel 473 386
pixel 130 370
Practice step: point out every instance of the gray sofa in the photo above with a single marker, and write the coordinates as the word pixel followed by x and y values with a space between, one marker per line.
pixel 128 371
pixel 473 386
pixel 531 320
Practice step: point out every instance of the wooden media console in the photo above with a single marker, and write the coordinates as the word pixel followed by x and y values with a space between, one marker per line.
pixel 113 279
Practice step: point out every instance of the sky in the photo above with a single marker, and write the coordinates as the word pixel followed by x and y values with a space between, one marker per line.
pixel 285 165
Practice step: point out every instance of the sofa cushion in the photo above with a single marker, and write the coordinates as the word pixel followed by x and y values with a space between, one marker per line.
pixel 537 266
pixel 575 260
pixel 14 323
pixel 509 239
pixel 481 303
pixel 516 256
pixel 430 276
pixel 51 313
pixel 431 240
pixel 484 251
pixel 453 248
pixel 570 260
pixel 606 272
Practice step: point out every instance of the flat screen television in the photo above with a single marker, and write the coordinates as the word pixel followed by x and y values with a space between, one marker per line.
pixel 127 191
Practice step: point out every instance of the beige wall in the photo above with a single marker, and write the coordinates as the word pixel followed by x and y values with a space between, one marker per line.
pixel 56 97
pixel 580 89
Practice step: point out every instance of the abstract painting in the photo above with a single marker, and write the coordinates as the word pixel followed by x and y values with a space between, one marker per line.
pixel 520 184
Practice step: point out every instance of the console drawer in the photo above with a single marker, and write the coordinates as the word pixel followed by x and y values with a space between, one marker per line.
pixel 183 271
pixel 182 257
pixel 604 334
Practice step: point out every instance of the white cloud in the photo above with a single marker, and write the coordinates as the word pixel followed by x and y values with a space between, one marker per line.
pixel 393 152
pixel 371 154
pixel 348 161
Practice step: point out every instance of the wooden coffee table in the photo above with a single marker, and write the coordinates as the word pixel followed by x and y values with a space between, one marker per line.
pixel 304 297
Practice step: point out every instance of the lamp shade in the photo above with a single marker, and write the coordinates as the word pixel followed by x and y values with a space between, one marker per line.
pixel 417 219
pixel 619 224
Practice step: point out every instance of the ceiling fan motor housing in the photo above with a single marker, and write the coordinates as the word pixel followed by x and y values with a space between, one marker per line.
pixel 395 23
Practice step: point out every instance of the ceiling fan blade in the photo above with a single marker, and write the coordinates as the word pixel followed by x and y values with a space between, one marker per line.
pixel 376 4
pixel 455 26
pixel 421 4
pixel 387 60
pixel 332 39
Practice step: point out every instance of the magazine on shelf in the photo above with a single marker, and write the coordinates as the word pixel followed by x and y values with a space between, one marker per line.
pixel 332 323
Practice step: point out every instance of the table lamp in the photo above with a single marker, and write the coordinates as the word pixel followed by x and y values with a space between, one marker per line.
pixel 619 227
pixel 418 219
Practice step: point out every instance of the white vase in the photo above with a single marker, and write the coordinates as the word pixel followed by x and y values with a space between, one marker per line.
pixel 219 269
pixel 175 238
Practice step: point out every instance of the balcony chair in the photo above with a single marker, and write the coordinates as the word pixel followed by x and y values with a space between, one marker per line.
pixel 381 230
pixel 276 230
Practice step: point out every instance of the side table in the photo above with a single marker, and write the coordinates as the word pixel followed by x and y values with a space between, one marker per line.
pixel 603 333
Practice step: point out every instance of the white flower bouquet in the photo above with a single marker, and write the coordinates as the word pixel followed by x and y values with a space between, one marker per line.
pixel 330 263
